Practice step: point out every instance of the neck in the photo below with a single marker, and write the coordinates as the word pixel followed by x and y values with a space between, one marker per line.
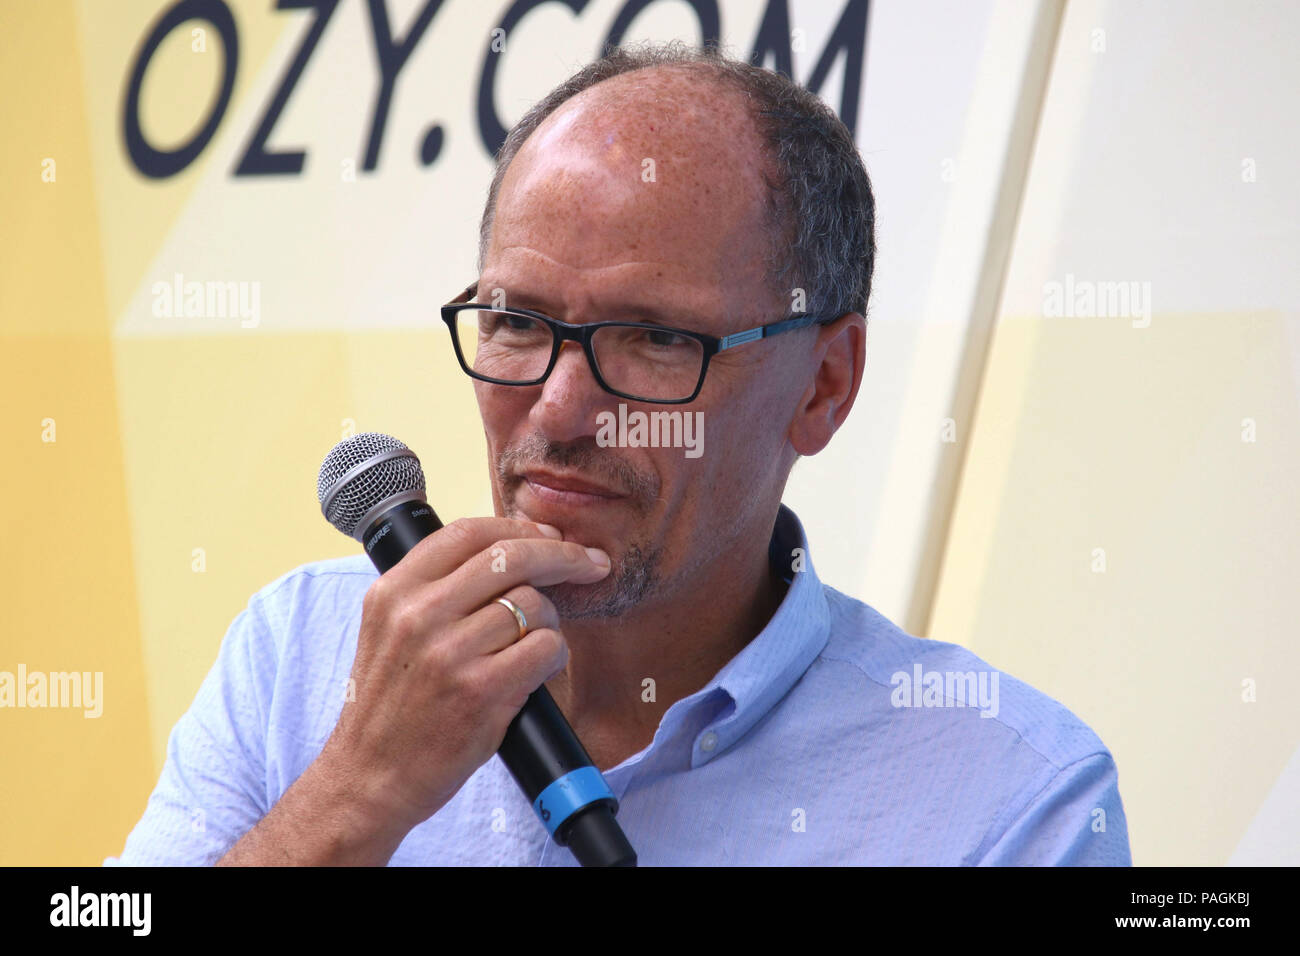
pixel 680 642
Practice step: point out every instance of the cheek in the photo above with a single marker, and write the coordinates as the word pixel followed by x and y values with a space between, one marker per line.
pixel 722 458
pixel 747 430
pixel 502 411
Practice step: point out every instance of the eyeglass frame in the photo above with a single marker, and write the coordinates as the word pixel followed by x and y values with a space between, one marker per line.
pixel 562 332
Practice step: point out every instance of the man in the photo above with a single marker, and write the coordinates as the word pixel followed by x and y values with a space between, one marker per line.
pixel 742 712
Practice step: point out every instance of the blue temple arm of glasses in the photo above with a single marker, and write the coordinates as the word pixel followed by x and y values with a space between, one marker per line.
pixel 766 331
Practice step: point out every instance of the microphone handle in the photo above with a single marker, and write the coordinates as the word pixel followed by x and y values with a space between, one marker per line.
pixel 568 794
pixel 540 749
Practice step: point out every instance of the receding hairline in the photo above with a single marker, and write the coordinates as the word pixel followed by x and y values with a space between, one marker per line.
pixel 818 194
pixel 614 91
pixel 765 165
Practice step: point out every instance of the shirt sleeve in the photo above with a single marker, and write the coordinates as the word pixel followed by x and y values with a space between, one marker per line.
pixel 213 784
pixel 1076 820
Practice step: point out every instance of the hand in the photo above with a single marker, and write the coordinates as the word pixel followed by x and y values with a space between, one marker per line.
pixel 440 669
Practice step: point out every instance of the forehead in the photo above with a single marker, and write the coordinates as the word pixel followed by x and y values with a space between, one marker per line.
pixel 657 176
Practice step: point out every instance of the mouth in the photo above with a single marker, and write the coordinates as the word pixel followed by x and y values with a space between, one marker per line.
pixel 555 488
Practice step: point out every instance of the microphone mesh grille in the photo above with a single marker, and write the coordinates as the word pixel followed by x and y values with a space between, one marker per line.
pixel 369 487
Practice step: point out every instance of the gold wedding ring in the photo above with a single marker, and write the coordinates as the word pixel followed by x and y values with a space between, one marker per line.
pixel 514 609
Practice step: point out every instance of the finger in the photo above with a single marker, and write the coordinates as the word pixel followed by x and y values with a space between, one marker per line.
pixel 530 662
pixel 494 627
pixel 537 561
pixel 449 547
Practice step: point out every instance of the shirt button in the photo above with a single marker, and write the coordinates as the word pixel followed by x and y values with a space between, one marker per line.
pixel 708 742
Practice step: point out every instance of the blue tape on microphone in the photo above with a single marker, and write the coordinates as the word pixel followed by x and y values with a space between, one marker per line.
pixel 569 794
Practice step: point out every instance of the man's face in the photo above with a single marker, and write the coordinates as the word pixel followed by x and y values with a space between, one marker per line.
pixel 641 200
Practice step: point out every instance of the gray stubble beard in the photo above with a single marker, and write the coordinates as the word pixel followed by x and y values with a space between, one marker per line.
pixel 635 575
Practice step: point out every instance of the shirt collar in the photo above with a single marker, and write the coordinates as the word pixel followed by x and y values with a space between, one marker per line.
pixel 769 665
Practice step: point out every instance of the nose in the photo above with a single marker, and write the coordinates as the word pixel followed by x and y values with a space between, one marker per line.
pixel 571 398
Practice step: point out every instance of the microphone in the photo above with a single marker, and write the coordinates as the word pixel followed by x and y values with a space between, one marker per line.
pixel 371 487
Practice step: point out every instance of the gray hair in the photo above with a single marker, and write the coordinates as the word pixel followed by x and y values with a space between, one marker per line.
pixel 820 206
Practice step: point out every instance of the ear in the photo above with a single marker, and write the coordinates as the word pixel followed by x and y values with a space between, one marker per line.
pixel 839 360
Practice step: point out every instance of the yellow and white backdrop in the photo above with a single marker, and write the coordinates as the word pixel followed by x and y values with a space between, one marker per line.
pixel 228 224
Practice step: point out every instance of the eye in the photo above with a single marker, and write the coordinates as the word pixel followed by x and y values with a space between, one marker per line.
pixel 665 339
pixel 501 323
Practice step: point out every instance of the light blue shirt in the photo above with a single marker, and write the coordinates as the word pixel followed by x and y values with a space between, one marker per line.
pixel 832 738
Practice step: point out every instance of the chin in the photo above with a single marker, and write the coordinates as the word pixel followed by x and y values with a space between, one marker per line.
pixel 632 582
pixel 575 602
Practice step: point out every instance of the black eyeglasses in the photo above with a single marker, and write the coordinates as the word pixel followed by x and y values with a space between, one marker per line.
pixel 633 360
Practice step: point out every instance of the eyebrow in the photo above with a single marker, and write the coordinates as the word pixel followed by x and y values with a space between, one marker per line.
pixel 629 312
